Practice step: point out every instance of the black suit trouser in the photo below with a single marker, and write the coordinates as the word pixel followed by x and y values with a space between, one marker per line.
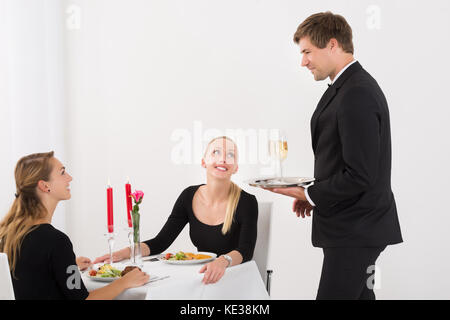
pixel 348 273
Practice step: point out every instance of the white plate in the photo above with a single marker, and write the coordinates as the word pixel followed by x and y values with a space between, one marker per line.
pixel 117 266
pixel 280 182
pixel 106 279
pixel 153 278
pixel 194 261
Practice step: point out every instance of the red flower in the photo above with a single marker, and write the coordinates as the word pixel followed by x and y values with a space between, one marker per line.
pixel 137 196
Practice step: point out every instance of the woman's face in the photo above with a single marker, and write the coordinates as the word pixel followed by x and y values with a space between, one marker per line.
pixel 59 183
pixel 220 159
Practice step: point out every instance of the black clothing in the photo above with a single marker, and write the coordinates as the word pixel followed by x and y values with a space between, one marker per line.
pixel 351 140
pixel 209 238
pixel 46 267
pixel 348 273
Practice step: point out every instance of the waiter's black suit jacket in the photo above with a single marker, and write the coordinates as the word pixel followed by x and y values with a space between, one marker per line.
pixel 351 140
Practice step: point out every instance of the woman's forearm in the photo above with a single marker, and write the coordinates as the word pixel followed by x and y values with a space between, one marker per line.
pixel 108 292
pixel 145 250
pixel 236 257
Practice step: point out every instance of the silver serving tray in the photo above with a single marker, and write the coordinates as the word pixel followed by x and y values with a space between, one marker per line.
pixel 280 182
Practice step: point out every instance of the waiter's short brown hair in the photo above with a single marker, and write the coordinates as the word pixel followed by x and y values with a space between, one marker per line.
pixel 323 26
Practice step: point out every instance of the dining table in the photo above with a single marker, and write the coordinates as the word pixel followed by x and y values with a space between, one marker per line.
pixel 184 282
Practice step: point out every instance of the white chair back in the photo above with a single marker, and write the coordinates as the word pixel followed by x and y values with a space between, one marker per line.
pixel 6 287
pixel 261 252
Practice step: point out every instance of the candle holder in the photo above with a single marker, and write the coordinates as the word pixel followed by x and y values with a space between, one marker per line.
pixel 110 236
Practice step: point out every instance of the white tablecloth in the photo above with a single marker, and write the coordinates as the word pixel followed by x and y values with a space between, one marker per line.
pixel 241 282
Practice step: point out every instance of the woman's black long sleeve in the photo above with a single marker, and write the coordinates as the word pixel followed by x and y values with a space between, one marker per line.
pixel 209 238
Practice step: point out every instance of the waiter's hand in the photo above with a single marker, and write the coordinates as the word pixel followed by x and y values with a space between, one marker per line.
pixel 294 192
pixel 302 208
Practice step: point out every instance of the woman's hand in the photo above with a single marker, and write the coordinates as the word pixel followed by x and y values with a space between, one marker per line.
pixel 214 270
pixel 83 263
pixel 134 278
pixel 117 256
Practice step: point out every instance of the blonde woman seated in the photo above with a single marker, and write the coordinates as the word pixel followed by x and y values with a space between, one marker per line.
pixel 41 258
pixel 222 217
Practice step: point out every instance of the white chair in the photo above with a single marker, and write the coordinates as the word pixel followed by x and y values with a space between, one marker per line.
pixel 261 252
pixel 6 287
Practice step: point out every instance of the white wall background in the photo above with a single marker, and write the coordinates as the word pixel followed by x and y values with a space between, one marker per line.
pixel 32 110
pixel 141 77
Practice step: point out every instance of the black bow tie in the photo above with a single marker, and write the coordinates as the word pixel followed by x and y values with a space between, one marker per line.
pixel 329 85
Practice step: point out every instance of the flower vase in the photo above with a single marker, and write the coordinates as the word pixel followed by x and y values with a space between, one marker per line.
pixel 136 255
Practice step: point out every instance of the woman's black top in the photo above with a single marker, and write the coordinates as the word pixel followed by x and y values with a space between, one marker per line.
pixel 46 267
pixel 209 238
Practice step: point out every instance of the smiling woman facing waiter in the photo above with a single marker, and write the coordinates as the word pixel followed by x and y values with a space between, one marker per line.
pixel 41 258
pixel 222 217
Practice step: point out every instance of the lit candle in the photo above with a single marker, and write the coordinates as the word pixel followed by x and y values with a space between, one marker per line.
pixel 129 203
pixel 109 199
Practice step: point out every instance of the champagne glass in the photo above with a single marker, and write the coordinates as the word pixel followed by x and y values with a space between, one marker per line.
pixel 283 151
pixel 278 150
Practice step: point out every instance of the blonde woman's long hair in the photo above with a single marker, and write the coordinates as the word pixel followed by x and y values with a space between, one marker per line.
pixel 233 200
pixel 27 208
pixel 233 195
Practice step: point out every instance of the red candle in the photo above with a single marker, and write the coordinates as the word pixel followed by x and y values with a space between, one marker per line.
pixel 129 203
pixel 109 198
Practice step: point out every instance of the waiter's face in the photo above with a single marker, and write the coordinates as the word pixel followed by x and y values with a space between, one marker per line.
pixel 317 60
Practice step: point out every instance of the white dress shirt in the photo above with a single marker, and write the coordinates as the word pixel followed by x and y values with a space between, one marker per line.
pixel 332 82
pixel 342 70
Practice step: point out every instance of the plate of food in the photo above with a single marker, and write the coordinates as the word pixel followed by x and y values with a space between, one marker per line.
pixel 109 273
pixel 187 257
pixel 280 182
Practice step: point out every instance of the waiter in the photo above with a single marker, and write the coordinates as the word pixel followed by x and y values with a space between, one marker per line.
pixel 355 215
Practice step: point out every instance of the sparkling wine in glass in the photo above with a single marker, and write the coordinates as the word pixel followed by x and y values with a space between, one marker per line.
pixel 278 149
pixel 283 145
